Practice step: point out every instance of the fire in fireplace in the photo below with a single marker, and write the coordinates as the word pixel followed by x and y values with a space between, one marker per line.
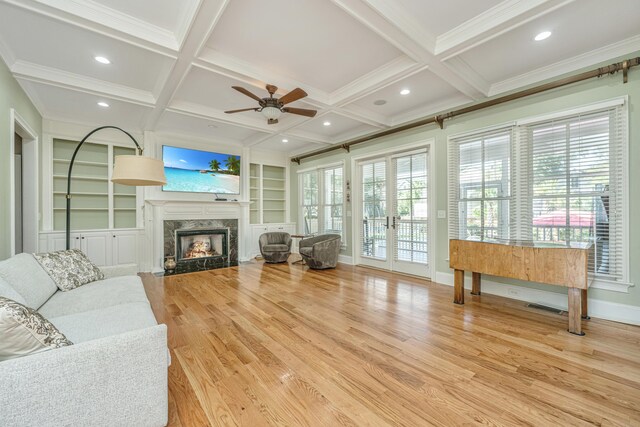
pixel 201 243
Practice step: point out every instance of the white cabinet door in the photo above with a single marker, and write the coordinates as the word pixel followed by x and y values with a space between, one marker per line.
pixel 97 246
pixel 125 247
pixel 57 242
pixel 256 232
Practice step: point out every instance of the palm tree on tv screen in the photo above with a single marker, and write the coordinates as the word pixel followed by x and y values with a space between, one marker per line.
pixel 233 164
pixel 214 165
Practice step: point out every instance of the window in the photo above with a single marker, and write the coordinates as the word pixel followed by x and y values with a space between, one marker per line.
pixel 482 189
pixel 554 180
pixel 322 196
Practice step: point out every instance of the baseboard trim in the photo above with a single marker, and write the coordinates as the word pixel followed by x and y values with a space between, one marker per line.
pixel 345 259
pixel 623 313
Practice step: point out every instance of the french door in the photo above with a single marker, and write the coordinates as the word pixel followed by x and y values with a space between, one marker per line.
pixel 394 222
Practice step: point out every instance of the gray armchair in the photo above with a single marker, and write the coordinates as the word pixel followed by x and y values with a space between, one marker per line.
pixel 321 252
pixel 275 246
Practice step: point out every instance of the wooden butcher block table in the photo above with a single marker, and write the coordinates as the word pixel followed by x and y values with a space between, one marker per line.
pixel 543 262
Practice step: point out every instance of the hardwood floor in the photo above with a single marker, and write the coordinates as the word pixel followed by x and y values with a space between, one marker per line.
pixel 260 345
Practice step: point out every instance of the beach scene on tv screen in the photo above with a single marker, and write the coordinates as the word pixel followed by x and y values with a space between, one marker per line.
pixel 196 171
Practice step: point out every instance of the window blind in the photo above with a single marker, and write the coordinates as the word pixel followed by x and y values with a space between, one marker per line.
pixel 322 200
pixel 556 180
pixel 572 184
pixel 480 184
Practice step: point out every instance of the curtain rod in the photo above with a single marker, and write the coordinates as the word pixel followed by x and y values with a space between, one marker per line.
pixel 439 119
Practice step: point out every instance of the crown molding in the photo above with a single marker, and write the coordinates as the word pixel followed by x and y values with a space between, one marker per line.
pixel 363 115
pixel 64 79
pixel 469 75
pixel 393 32
pixel 7 54
pixel 32 94
pixel 237 69
pixel 189 15
pixel 389 73
pixel 208 113
pixel 106 17
pixel 395 14
pixel 430 110
pixel 499 19
pixel 201 28
pixel 569 65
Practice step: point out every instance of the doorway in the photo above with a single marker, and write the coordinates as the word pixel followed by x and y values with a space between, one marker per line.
pixel 393 212
pixel 24 217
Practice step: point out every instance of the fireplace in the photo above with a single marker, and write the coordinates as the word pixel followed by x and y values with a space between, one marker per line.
pixel 201 243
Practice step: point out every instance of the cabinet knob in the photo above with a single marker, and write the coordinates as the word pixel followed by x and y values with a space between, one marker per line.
pixel 77 238
pixel 82 237
pixel 114 235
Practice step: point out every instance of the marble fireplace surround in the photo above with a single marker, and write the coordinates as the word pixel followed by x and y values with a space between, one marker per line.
pixel 170 227
pixel 198 214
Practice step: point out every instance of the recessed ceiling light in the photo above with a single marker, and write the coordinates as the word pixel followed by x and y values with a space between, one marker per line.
pixel 103 104
pixel 212 126
pixel 405 92
pixel 102 60
pixel 285 140
pixel 379 102
pixel 327 123
pixel 543 35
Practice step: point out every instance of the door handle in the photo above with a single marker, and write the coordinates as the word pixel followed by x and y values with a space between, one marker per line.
pixel 387 224
pixel 393 224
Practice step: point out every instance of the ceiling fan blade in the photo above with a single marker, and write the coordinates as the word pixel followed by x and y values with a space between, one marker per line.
pixel 300 111
pixel 294 95
pixel 246 92
pixel 238 111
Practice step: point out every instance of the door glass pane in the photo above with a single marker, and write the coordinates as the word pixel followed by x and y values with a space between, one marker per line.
pixel 411 209
pixel 374 210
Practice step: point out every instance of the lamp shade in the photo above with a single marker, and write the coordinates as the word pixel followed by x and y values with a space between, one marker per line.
pixel 138 171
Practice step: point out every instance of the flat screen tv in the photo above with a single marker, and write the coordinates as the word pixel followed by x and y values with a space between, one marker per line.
pixel 195 171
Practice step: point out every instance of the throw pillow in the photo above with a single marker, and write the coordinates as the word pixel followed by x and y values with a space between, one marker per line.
pixel 69 269
pixel 24 331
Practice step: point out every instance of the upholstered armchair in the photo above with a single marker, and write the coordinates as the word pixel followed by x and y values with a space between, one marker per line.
pixel 275 246
pixel 321 252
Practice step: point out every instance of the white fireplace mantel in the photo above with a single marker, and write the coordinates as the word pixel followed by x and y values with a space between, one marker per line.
pixel 157 211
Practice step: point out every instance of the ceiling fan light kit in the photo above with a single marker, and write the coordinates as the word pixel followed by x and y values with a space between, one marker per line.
pixel 272 108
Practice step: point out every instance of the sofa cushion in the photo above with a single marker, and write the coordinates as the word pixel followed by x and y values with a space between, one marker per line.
pixel 95 295
pixel 275 248
pixel 69 269
pixel 105 322
pixel 8 292
pixel 25 275
pixel 24 331
pixel 308 250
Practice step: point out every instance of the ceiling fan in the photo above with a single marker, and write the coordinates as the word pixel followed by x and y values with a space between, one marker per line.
pixel 271 108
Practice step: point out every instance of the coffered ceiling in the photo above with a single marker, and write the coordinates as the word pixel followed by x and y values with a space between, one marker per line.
pixel 173 62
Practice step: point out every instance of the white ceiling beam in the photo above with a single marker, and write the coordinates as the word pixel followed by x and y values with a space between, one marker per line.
pixel 64 79
pixel 492 23
pixel 243 71
pixel 204 112
pixel 203 25
pixel 103 20
pixel 394 27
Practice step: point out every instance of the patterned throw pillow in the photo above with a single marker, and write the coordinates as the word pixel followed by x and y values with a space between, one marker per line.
pixel 69 269
pixel 24 331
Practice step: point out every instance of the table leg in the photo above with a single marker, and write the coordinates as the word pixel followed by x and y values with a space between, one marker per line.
pixel 585 308
pixel 458 286
pixel 575 310
pixel 475 284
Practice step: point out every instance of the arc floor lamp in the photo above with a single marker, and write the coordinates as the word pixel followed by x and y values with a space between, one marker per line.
pixel 134 170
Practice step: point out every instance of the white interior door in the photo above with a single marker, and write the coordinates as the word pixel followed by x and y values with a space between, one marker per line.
pixel 394 202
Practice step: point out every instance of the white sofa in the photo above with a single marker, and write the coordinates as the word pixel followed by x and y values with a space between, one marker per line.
pixel 115 374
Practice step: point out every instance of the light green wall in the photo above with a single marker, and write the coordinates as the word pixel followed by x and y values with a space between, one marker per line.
pixel 11 96
pixel 591 91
